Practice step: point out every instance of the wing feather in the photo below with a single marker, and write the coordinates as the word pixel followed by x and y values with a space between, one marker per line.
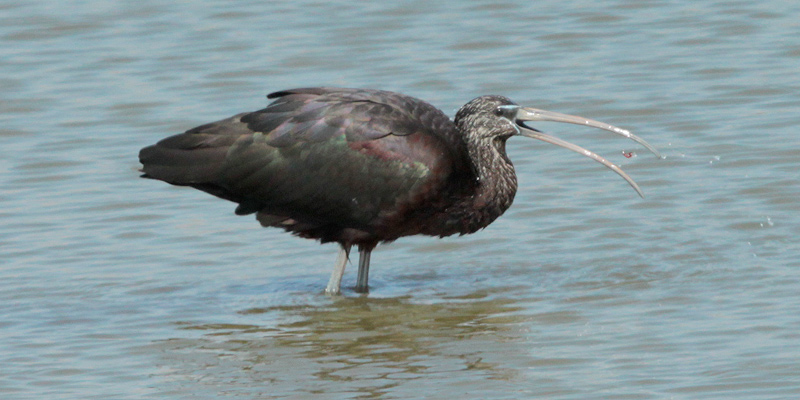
pixel 314 157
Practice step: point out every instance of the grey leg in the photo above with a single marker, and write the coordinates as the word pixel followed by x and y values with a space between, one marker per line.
pixel 364 251
pixel 335 283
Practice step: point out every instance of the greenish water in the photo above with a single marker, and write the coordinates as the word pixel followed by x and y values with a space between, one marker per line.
pixel 119 287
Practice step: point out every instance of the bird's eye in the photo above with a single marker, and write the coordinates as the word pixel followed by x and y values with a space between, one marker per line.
pixel 498 111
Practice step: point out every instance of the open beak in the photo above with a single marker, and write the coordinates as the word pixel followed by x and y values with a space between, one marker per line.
pixel 532 114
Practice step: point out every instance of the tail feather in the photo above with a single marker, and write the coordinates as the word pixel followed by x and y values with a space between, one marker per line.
pixel 196 157
pixel 182 167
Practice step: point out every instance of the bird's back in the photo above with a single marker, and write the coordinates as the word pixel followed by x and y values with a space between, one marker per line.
pixel 346 165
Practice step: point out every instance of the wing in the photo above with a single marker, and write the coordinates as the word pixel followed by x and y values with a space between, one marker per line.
pixel 316 159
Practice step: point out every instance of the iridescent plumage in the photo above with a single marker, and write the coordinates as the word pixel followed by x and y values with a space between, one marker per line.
pixel 358 167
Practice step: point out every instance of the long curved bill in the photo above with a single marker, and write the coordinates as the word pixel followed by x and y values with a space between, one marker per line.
pixel 533 114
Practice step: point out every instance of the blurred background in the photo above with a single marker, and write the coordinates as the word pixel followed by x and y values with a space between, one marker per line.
pixel 118 287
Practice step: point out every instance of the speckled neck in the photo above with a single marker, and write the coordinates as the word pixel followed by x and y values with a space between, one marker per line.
pixel 496 180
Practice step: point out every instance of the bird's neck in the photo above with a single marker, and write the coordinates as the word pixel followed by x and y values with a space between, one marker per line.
pixel 496 178
pixel 495 184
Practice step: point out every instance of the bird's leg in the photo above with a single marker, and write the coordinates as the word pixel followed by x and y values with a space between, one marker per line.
pixel 364 251
pixel 335 283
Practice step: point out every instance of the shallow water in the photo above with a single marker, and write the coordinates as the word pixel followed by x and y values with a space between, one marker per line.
pixel 118 287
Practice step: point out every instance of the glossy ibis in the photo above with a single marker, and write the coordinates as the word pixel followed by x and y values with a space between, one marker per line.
pixel 360 167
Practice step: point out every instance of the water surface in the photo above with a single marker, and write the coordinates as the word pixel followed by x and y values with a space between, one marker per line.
pixel 118 287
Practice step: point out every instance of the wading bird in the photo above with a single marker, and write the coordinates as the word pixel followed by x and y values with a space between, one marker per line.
pixel 360 167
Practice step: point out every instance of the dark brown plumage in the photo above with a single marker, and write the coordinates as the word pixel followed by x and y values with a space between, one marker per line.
pixel 358 166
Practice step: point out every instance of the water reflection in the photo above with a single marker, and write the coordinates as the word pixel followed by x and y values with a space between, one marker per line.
pixel 359 344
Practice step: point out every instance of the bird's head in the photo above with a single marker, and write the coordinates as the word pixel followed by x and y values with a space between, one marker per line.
pixel 479 118
pixel 497 118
